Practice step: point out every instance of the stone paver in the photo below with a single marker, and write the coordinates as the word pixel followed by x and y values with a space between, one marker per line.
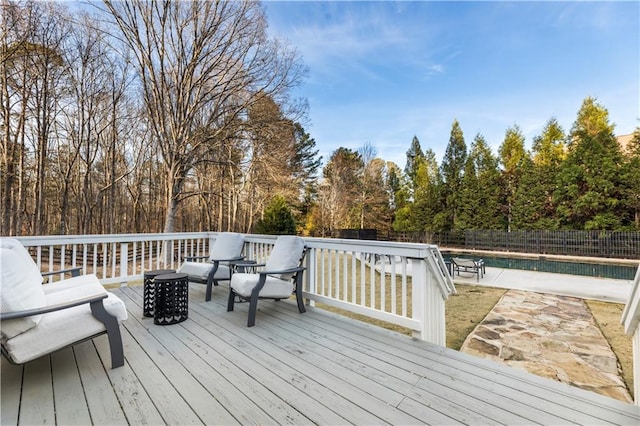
pixel 551 336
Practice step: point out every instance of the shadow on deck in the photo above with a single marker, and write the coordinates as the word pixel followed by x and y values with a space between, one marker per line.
pixel 291 368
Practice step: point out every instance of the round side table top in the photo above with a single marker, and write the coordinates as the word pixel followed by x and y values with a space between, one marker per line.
pixel 171 276
pixel 156 272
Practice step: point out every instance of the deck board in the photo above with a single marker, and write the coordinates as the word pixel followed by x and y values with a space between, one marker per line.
pixel 473 372
pixel 37 393
pixel 103 403
pixel 290 368
pixel 67 390
pixel 10 385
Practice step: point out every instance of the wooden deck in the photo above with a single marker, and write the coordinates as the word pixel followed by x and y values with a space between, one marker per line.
pixel 290 368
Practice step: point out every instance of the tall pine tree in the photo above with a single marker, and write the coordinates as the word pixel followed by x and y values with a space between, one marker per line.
pixel 415 157
pixel 512 156
pixel 480 200
pixel 452 168
pixel 426 208
pixel 589 193
pixel 633 177
pixel 533 206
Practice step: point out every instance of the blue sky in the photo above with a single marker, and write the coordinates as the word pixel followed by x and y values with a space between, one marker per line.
pixel 382 72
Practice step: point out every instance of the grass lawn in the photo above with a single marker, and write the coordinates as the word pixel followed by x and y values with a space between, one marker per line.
pixel 607 316
pixel 466 309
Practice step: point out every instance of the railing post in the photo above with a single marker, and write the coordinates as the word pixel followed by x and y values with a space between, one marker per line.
pixel 428 304
pixel 311 274
pixel 418 296
pixel 636 365
pixel 124 264
pixel 631 322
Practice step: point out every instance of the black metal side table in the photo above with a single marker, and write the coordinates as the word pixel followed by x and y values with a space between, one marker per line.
pixel 149 290
pixel 172 299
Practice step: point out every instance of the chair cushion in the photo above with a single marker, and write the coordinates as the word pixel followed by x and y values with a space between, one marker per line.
pixel 464 262
pixel 273 288
pixel 78 288
pixel 59 329
pixel 227 245
pixel 66 284
pixel 286 254
pixel 20 287
pixel 200 270
pixel 32 269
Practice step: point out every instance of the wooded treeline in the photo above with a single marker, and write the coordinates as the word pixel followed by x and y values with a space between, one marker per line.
pixel 583 179
pixel 158 116
pixel 147 116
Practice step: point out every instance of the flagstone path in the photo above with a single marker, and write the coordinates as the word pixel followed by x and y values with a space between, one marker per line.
pixel 551 336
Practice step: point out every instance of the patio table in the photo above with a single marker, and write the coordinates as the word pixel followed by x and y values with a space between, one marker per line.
pixel 149 290
pixel 172 298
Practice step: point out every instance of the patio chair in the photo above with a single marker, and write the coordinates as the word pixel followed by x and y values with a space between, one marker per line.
pixel 469 265
pixel 280 277
pixel 37 319
pixel 227 247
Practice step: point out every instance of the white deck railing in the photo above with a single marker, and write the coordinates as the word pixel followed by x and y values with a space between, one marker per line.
pixel 631 322
pixel 400 283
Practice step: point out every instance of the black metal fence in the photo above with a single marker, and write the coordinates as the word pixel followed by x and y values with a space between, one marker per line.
pixel 357 234
pixel 610 244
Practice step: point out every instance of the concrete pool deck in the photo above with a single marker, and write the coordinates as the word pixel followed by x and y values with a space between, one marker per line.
pixel 604 289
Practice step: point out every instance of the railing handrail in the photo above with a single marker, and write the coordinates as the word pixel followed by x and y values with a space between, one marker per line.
pixel 108 238
pixel 338 265
pixel 631 313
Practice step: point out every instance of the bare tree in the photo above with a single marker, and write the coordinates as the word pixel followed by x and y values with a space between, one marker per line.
pixel 201 65
pixel 32 71
pixel 13 112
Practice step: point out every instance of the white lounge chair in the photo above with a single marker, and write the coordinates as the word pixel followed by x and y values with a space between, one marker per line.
pixel 227 247
pixel 37 319
pixel 469 265
pixel 280 277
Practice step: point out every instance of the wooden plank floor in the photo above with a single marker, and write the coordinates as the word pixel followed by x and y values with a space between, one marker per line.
pixel 290 368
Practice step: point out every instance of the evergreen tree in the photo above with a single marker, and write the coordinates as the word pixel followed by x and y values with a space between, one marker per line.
pixel 278 218
pixel 480 197
pixel 452 168
pixel 306 161
pixel 549 148
pixel 534 206
pixel 415 156
pixel 589 193
pixel 512 155
pixel 632 178
pixel 528 210
pixel 402 201
pixel 397 186
pixel 305 165
pixel 426 208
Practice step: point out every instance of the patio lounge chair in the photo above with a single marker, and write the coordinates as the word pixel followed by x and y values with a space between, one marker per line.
pixel 227 247
pixel 37 319
pixel 469 265
pixel 280 278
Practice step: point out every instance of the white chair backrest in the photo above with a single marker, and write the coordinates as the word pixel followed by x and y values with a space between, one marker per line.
pixel 227 245
pixel 464 262
pixel 286 254
pixel 20 286
pixel 17 247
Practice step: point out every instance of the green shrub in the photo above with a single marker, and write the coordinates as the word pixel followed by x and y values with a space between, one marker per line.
pixel 278 219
